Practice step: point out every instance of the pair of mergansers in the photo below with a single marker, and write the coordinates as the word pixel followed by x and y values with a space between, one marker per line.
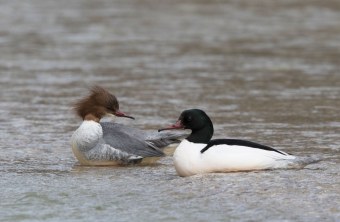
pixel 107 143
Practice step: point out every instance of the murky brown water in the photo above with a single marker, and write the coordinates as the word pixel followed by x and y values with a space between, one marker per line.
pixel 267 71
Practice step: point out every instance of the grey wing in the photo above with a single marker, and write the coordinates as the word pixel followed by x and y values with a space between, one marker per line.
pixel 128 140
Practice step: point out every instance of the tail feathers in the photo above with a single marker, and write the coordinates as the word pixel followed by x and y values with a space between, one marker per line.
pixel 161 143
pixel 163 139
pixel 301 162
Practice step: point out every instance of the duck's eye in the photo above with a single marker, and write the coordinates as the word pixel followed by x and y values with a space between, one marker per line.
pixel 109 108
pixel 188 119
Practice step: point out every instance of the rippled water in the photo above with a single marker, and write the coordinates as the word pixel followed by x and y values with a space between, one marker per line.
pixel 266 71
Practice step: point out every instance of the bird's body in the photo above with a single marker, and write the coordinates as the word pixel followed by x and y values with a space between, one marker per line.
pixel 108 143
pixel 189 160
pixel 198 154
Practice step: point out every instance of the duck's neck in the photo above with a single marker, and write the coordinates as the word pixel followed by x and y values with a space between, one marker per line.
pixel 91 117
pixel 203 135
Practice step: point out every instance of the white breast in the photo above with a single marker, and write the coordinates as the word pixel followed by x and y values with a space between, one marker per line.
pixel 85 138
pixel 187 158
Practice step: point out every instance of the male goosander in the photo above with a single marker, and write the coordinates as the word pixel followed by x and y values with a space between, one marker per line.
pixel 198 154
pixel 107 143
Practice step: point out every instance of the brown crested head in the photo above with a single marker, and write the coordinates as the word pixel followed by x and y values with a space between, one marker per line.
pixel 97 104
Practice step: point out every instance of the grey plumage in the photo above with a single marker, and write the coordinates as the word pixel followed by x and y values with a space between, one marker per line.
pixel 105 152
pixel 138 142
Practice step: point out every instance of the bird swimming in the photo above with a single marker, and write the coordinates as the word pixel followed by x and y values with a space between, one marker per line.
pixel 108 143
pixel 198 154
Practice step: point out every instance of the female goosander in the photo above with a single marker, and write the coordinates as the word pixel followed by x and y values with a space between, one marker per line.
pixel 198 154
pixel 107 143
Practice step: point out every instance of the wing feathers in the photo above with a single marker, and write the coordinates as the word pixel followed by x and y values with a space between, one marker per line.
pixel 120 139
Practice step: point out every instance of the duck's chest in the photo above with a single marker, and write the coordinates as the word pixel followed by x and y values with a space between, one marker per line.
pixel 87 136
pixel 188 158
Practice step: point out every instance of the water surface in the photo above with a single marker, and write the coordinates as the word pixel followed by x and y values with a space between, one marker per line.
pixel 266 71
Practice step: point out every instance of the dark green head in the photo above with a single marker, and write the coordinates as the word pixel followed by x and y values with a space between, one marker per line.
pixel 194 119
pixel 198 121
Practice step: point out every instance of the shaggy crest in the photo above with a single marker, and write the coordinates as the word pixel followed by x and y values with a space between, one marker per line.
pixel 98 103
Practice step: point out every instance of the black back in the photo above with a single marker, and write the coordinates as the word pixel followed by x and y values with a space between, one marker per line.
pixel 237 142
